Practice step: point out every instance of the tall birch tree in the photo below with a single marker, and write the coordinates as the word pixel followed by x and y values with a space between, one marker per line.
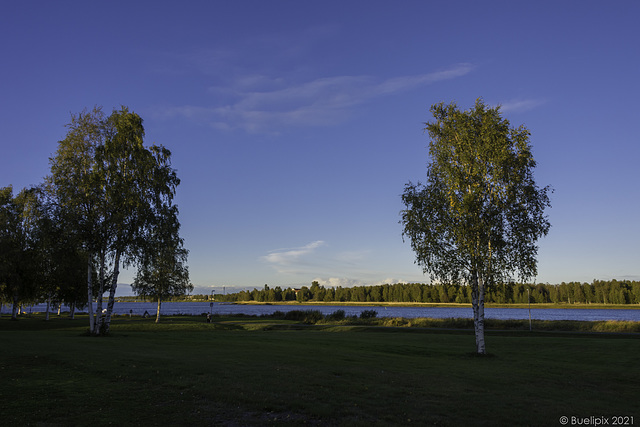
pixel 478 217
pixel 105 181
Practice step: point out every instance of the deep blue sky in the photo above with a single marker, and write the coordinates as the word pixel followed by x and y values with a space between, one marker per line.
pixel 294 125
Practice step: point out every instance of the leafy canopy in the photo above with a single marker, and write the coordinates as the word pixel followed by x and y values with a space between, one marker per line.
pixel 480 211
pixel 162 271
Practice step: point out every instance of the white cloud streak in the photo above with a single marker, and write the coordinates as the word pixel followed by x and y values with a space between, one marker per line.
pixel 261 104
pixel 291 260
pixel 521 105
pixel 312 262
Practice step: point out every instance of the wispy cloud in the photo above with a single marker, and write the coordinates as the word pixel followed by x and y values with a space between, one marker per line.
pixel 398 84
pixel 258 103
pixel 521 105
pixel 292 260
pixel 315 261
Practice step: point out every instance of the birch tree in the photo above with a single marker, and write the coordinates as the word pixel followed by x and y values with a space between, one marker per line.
pixel 102 176
pixel 478 217
pixel 162 271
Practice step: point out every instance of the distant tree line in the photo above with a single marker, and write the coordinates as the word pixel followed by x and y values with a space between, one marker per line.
pixel 597 292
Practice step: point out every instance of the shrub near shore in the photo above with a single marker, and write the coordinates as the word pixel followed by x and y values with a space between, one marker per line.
pixel 369 318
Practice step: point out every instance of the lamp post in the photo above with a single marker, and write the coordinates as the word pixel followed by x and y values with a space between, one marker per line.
pixel 211 303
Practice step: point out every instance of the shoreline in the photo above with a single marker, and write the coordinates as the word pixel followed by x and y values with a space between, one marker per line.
pixel 437 304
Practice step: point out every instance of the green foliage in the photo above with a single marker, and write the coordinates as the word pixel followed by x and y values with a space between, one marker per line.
pixel 480 212
pixel 277 314
pixel 162 273
pixel 114 190
pixel 304 294
pixel 597 292
pixel 478 217
pixel 19 246
pixel 304 316
pixel 368 314
pixel 336 316
pixel 40 257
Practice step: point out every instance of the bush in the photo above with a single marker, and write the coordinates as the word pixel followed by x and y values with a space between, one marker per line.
pixel 368 314
pixel 337 315
pixel 393 321
pixel 276 314
pixel 306 316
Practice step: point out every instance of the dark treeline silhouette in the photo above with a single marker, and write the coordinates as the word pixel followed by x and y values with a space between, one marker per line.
pixel 597 292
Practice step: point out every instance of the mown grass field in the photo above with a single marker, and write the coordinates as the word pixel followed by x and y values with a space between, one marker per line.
pixel 254 371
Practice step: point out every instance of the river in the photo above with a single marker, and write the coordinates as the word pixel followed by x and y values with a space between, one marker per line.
pixel 195 308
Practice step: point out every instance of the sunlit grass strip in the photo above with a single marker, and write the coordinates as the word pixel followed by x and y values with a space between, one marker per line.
pixel 514 324
pixel 315 317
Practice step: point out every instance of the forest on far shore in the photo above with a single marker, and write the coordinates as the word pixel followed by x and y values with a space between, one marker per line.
pixel 597 292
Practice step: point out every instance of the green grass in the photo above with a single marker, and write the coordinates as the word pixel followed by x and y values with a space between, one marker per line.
pixel 611 326
pixel 260 371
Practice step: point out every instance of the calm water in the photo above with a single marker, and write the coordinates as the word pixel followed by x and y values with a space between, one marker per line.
pixel 138 308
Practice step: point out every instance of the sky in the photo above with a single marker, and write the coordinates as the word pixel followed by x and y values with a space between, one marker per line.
pixel 294 125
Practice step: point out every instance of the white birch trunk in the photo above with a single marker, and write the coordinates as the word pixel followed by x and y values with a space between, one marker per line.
pixel 112 292
pixel 14 309
pixel 479 325
pixel 158 310
pixel 477 295
pixel 99 318
pixel 90 296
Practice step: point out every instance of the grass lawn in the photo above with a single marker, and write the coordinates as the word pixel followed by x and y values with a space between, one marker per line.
pixel 239 372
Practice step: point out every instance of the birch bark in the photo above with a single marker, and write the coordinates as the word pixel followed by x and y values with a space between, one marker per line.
pixel 90 294
pixel 112 292
pixel 99 317
pixel 479 325
pixel 477 296
pixel 14 309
